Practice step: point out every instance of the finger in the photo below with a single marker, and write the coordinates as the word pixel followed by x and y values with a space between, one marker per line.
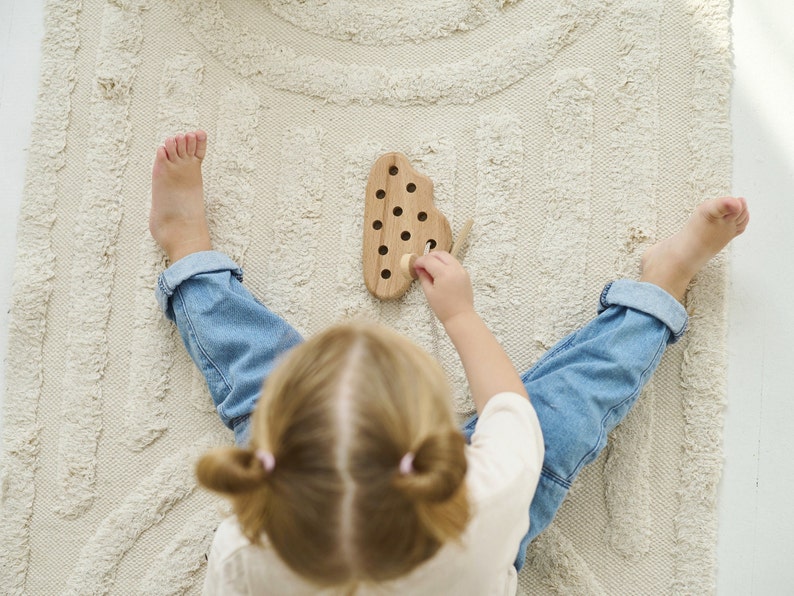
pixel 432 262
pixel 427 283
pixel 442 256
pixel 425 279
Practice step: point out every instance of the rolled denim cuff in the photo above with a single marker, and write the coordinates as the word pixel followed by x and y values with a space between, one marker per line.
pixel 196 263
pixel 647 298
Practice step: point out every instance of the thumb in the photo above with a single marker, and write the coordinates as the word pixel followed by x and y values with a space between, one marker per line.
pixel 425 279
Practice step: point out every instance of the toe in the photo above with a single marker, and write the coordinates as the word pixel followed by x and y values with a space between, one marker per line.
pixel 181 146
pixel 160 155
pixel 170 148
pixel 201 144
pixel 714 210
pixel 190 142
pixel 728 207
pixel 742 221
pixel 160 159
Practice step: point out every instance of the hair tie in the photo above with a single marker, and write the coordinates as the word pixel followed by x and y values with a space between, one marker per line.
pixel 267 459
pixel 407 464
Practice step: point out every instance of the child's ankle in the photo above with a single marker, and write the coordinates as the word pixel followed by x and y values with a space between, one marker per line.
pixel 180 250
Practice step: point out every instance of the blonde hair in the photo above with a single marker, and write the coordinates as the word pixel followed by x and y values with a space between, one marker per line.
pixel 339 415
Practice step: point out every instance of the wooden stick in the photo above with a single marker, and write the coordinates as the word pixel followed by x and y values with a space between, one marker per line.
pixel 464 233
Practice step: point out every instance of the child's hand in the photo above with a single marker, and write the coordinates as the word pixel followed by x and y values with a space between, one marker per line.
pixel 448 290
pixel 446 285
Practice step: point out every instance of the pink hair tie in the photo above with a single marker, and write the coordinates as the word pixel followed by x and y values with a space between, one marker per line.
pixel 268 459
pixel 407 464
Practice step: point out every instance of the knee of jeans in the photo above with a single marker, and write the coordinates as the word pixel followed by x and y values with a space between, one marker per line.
pixel 576 438
pixel 565 459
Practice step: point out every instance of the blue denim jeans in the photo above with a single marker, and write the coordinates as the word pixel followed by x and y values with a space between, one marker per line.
pixel 234 340
pixel 581 388
pixel 586 384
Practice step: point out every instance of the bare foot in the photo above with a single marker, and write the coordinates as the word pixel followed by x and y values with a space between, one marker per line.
pixel 672 263
pixel 177 220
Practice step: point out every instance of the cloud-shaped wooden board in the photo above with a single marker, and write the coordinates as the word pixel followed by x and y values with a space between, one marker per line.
pixel 399 218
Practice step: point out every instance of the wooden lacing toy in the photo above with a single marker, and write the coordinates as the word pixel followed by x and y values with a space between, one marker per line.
pixel 400 223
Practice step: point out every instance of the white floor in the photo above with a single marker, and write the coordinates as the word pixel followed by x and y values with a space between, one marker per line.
pixel 756 518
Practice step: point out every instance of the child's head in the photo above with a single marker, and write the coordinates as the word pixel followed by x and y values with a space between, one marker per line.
pixel 339 415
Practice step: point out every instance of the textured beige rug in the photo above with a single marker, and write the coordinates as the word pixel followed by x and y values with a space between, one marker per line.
pixel 574 132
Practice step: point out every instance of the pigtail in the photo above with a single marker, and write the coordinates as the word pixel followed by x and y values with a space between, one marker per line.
pixel 232 471
pixel 435 470
pixel 436 485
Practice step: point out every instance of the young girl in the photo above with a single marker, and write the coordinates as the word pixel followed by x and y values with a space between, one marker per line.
pixel 350 475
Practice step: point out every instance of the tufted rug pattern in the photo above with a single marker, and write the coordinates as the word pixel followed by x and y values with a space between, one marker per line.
pixel 574 132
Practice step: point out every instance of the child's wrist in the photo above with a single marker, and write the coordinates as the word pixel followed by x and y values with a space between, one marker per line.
pixel 460 319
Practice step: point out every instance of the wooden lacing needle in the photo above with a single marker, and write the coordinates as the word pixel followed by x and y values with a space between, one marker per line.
pixel 407 261
pixel 464 233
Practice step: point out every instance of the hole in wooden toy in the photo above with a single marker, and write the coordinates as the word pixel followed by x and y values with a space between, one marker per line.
pixel 380 193
pixel 405 235
pixel 377 224
pixel 393 170
pixel 385 274
pixel 411 187
pixel 422 216
pixel 398 211
pixel 431 244
pixel 382 250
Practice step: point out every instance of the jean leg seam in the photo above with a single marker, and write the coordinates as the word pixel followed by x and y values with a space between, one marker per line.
pixel 194 335
pixel 566 484
pixel 601 433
